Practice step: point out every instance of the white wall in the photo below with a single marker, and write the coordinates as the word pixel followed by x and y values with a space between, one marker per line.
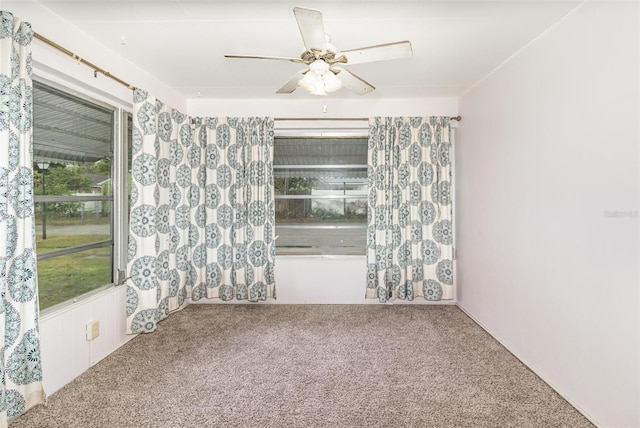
pixel 321 107
pixel 324 280
pixel 547 156
pixel 66 353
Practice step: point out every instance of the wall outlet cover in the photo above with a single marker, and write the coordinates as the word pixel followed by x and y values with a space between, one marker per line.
pixel 93 329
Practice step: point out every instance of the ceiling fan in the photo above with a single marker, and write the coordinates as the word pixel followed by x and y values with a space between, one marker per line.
pixel 323 74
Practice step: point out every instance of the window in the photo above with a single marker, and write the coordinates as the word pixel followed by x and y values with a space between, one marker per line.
pixel 73 154
pixel 320 195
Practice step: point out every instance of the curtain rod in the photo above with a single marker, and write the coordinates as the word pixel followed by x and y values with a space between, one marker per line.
pixel 458 118
pixel 96 69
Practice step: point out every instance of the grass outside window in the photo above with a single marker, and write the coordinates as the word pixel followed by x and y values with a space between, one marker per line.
pixel 65 277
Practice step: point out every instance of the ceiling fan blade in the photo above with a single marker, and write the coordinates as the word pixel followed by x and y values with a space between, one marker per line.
pixel 353 82
pixel 276 58
pixel 379 52
pixel 311 28
pixel 292 84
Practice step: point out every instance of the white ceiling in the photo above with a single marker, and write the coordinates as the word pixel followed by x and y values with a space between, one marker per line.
pixel 182 42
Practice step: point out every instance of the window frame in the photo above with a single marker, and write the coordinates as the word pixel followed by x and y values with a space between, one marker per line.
pixel 119 199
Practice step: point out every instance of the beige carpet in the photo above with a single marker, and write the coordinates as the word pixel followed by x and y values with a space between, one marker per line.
pixel 309 366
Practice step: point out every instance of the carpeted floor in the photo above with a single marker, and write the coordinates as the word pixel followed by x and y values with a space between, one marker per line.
pixel 309 366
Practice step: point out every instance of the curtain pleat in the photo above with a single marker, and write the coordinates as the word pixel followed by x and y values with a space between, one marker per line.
pixel 202 211
pixel 409 232
pixel 20 360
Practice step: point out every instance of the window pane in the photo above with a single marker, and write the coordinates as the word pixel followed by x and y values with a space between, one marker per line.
pixel 311 181
pixel 65 277
pixel 320 151
pixel 73 152
pixel 68 129
pixel 330 240
pixel 321 195
pixel 85 223
pixel 321 211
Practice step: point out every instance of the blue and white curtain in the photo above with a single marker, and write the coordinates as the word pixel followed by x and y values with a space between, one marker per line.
pixel 20 363
pixel 202 211
pixel 409 232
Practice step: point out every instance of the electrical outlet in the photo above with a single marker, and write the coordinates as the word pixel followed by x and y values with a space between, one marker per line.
pixel 93 329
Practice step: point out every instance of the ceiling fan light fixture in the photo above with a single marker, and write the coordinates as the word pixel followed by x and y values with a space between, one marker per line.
pixel 310 82
pixel 319 80
pixel 331 82
pixel 319 67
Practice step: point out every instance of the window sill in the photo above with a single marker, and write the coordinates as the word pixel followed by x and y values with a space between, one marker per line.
pixel 55 310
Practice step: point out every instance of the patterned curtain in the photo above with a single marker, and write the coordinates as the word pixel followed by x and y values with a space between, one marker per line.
pixel 20 363
pixel 239 210
pixel 202 211
pixel 409 234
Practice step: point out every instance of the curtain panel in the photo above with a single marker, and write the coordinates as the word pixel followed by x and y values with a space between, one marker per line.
pixel 202 211
pixel 409 232
pixel 20 362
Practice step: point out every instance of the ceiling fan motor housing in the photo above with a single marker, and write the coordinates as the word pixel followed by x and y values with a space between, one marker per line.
pixel 327 56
